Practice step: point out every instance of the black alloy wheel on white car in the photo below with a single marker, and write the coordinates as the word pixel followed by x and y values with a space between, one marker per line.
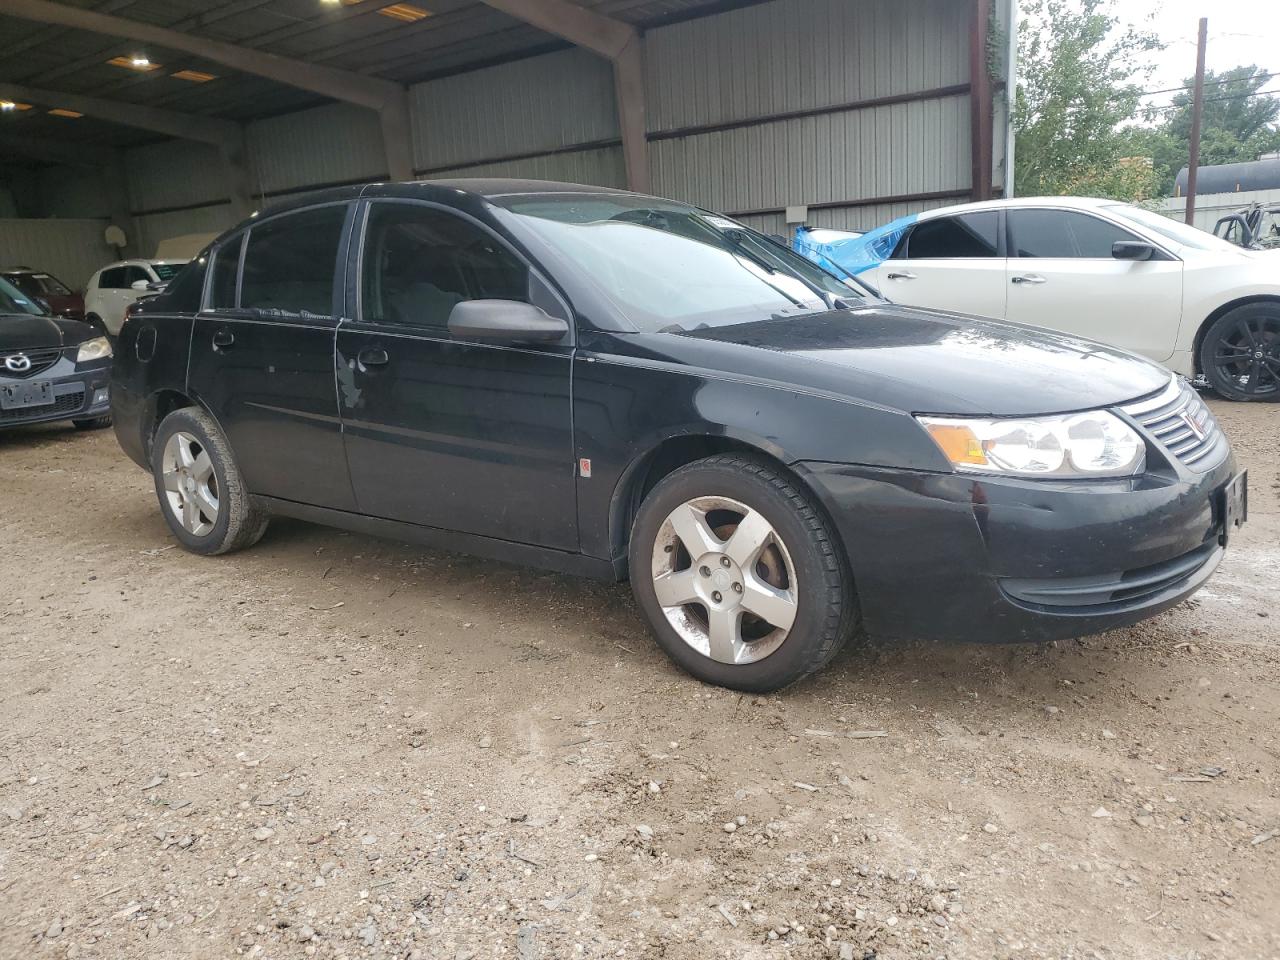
pixel 739 576
pixel 1240 353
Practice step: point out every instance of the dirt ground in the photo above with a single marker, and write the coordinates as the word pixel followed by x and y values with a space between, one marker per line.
pixel 337 746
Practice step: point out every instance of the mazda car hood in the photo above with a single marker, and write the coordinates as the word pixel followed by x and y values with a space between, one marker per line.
pixel 924 361
pixel 25 332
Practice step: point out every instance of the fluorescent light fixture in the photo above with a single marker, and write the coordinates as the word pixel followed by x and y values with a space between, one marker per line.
pixel 136 62
pixel 195 76
pixel 405 12
pixel 60 112
pixel 8 106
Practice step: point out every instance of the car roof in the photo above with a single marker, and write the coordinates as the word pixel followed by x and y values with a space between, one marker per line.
pixel 1076 203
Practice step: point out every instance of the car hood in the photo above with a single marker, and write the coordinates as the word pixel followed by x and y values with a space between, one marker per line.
pixel 24 332
pixel 925 361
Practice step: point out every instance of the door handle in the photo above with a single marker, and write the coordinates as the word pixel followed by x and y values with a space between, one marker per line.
pixel 901 276
pixel 372 357
pixel 1029 278
pixel 223 339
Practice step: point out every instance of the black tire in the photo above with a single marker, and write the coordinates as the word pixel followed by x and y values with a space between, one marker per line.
pixel 240 521
pixel 826 612
pixel 92 423
pixel 1240 353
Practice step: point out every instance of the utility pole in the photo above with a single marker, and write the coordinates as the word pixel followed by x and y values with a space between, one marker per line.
pixel 1197 115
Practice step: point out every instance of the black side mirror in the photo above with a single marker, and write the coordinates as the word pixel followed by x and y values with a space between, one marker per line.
pixel 1132 250
pixel 506 321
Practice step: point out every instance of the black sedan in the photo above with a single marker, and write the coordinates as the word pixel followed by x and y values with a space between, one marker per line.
pixel 51 368
pixel 612 384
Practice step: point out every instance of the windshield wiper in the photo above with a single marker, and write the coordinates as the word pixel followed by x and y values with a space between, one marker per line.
pixel 736 238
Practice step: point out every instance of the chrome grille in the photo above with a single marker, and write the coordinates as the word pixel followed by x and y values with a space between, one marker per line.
pixel 1177 419
pixel 41 360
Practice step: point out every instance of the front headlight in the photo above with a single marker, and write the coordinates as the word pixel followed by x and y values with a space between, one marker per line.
pixel 1094 444
pixel 96 349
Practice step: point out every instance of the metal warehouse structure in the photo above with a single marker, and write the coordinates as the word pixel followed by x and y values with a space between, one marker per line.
pixel 172 117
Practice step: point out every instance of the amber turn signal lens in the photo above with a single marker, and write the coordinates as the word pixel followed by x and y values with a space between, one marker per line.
pixel 958 443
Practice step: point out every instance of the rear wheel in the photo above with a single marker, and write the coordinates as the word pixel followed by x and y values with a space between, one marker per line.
pixel 202 494
pixel 1240 353
pixel 738 575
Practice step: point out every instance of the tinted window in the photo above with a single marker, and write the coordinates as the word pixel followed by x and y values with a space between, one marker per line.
pixel 1063 234
pixel 133 274
pixel 419 262
pixel 112 279
pixel 968 235
pixel 291 260
pixel 226 265
pixel 166 271
pixel 182 295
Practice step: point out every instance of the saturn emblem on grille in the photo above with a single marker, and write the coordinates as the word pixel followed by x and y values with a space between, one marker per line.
pixel 1194 427
pixel 18 363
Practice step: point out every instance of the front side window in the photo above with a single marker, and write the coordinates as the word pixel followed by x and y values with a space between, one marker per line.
pixel 133 274
pixel 112 279
pixel 967 235
pixel 1062 234
pixel 669 267
pixel 419 262
pixel 291 262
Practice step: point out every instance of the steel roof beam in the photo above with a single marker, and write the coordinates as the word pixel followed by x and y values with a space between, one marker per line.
pixel 389 99
pixel 619 42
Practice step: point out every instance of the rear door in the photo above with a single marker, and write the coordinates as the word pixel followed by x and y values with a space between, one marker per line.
pixel 1061 275
pixel 466 436
pixel 262 354
pixel 951 262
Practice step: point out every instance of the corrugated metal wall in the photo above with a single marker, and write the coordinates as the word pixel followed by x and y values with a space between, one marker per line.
pixel 554 117
pixel 69 249
pixel 338 143
pixel 74 192
pixel 531 106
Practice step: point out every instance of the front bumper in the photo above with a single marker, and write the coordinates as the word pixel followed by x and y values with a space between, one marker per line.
pixel 80 393
pixel 1002 560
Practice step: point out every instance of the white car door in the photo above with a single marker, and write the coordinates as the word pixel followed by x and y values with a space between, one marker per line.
pixel 949 263
pixel 1062 275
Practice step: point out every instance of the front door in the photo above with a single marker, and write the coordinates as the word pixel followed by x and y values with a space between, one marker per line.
pixel 262 355
pixel 949 263
pixel 464 436
pixel 1061 275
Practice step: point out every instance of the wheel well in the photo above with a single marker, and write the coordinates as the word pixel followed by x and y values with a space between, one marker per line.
pixel 664 459
pixel 1213 318
pixel 162 404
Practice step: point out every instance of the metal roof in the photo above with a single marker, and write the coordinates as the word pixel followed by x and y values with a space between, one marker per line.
pixel 456 36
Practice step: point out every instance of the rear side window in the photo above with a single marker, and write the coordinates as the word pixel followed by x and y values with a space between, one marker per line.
pixel 420 262
pixel 291 261
pixel 966 235
pixel 226 267
pixel 1062 234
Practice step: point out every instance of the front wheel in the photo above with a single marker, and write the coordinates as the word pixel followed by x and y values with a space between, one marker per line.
pixel 202 495
pixel 92 423
pixel 1240 353
pixel 739 576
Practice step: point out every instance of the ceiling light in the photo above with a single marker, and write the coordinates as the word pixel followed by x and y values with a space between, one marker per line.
pixel 60 112
pixel 405 12
pixel 139 63
pixel 8 106
pixel 195 76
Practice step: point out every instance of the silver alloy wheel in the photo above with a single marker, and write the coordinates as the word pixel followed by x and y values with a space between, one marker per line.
pixel 713 583
pixel 190 485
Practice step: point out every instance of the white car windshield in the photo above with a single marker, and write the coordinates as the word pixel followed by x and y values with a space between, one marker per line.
pixel 1169 228
pixel 672 267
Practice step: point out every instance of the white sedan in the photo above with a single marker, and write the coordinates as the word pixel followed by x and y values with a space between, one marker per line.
pixel 1101 269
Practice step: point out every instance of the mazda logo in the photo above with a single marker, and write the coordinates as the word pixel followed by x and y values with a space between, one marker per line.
pixel 18 363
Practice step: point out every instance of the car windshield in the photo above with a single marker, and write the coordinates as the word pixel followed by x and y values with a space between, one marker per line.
pixel 671 267
pixel 167 271
pixel 1170 229
pixel 38 284
pixel 14 302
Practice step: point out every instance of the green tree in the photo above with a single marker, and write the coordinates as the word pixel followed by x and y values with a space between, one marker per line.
pixel 1238 124
pixel 1078 86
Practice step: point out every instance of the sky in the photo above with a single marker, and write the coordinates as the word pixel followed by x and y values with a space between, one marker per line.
pixel 1240 32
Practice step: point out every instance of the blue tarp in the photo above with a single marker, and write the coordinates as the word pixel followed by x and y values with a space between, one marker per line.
pixel 855 254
